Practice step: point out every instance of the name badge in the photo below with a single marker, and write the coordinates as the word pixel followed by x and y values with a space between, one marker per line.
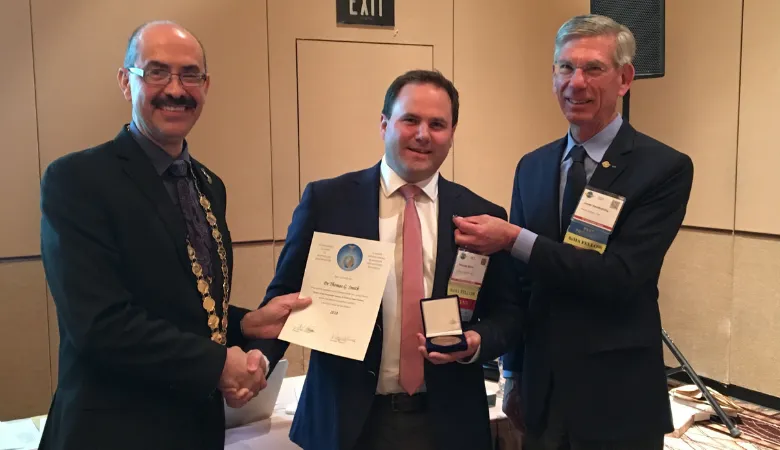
pixel 594 219
pixel 466 280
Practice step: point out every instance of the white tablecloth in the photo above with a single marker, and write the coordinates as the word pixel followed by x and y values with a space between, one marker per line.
pixel 273 433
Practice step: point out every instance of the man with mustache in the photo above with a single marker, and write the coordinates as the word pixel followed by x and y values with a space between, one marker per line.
pixel 400 397
pixel 138 258
pixel 590 374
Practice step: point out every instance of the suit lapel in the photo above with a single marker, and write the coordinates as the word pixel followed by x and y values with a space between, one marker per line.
pixel 140 170
pixel 548 198
pixel 618 157
pixel 445 246
pixel 365 221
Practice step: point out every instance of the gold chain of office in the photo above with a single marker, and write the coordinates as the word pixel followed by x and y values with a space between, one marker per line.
pixel 218 334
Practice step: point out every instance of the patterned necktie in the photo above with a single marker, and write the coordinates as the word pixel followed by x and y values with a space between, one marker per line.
pixel 194 217
pixel 411 365
pixel 575 184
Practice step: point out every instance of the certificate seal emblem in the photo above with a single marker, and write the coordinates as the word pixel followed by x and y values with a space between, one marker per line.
pixel 446 340
pixel 349 257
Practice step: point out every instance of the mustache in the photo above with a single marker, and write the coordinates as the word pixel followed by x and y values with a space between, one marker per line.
pixel 169 100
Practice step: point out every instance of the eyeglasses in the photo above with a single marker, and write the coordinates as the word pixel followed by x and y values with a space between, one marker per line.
pixel 161 77
pixel 589 71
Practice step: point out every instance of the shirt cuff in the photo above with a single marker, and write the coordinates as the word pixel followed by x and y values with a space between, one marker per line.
pixel 267 365
pixel 523 245
pixel 473 358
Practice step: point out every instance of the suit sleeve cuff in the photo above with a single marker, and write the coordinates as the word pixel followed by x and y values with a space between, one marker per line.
pixel 523 245
pixel 473 358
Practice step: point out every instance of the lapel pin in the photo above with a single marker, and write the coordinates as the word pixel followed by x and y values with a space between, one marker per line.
pixel 208 177
pixel 607 165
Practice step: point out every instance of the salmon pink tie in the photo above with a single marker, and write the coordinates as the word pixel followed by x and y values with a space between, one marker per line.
pixel 411 366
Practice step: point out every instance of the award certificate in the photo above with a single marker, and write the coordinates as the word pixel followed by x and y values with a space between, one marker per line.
pixel 345 278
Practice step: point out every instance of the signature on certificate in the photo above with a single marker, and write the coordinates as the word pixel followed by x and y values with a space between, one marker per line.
pixel 341 339
pixel 303 329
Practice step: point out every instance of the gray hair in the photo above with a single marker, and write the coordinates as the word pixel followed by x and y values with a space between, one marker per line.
pixel 131 53
pixel 595 25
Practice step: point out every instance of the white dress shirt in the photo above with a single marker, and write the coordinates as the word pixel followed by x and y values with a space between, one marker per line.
pixel 391 212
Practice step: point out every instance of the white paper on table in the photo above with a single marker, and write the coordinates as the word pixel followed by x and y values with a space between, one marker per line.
pixel 19 435
pixel 345 277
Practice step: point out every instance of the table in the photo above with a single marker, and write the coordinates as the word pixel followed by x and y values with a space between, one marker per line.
pixel 273 433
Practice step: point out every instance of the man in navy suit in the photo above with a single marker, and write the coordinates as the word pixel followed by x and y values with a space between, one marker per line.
pixel 399 396
pixel 590 373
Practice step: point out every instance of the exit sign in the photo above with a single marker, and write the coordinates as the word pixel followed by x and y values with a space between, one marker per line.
pixel 380 13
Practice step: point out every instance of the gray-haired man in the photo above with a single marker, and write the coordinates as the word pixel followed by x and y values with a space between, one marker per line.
pixel 590 373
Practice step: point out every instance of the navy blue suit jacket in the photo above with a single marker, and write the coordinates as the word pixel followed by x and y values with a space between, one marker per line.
pixel 338 393
pixel 593 320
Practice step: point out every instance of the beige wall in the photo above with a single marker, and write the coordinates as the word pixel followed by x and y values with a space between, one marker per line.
pixel 294 97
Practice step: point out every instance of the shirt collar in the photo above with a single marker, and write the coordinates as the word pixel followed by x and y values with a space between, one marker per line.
pixel 596 146
pixel 160 159
pixel 391 181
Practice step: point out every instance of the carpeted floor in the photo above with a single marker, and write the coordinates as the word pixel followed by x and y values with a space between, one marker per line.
pixel 760 430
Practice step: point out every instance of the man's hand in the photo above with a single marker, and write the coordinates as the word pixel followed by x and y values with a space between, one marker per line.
pixel 473 340
pixel 485 234
pixel 243 376
pixel 267 322
pixel 512 406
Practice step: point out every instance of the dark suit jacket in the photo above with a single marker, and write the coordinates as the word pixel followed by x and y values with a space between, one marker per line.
pixel 338 393
pixel 593 320
pixel 137 368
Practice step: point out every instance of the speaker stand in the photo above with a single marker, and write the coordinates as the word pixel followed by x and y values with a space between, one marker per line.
pixel 686 367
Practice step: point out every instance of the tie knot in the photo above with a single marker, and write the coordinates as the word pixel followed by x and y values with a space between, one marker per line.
pixel 578 153
pixel 410 191
pixel 178 168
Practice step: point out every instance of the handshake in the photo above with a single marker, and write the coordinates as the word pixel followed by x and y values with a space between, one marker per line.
pixel 244 374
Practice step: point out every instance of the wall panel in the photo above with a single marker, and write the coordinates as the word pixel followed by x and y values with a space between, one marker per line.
pixel 26 387
pixel 694 107
pixel 696 300
pixel 755 348
pixel 19 177
pixel 757 209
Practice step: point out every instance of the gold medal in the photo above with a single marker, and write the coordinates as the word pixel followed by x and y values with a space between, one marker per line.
pixel 197 269
pixel 190 252
pixel 203 287
pixel 208 304
pixel 213 322
pixel 204 202
pixel 211 218
pixel 224 322
pixel 216 337
pixel 217 235
pixel 446 340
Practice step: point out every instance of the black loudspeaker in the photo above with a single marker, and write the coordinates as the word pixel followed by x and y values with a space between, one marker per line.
pixel 645 18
